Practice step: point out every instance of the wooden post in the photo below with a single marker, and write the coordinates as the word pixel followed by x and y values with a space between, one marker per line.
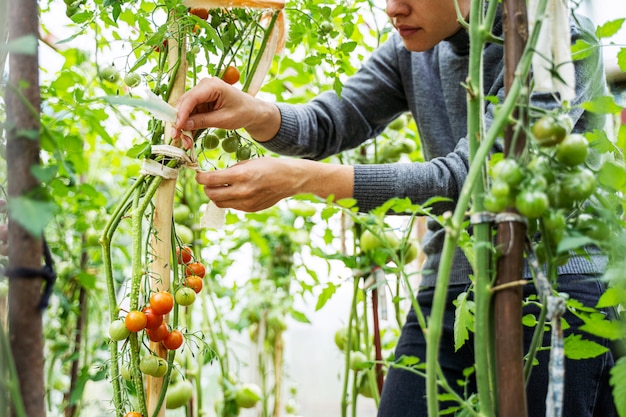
pixel 511 233
pixel 163 210
pixel 25 250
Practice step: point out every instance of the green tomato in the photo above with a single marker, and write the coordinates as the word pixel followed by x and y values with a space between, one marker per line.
pixel 410 252
pixel 558 197
pixel 185 234
pixel 509 171
pixel 326 27
pixel 358 361
pixel 125 372
pixel 532 203
pixel 578 184
pixel 495 204
pixel 244 152
pixel 247 395
pixel 185 296
pixel 153 365
pixel 230 144
pixel 300 208
pixel 593 227
pixel 369 241
pixel 341 338
pixel 398 124
pixel 500 188
pixel 132 79
pixel 109 74
pixel 178 394
pixel 210 141
pixel 548 131
pixel 181 213
pixel 118 330
pixel 572 150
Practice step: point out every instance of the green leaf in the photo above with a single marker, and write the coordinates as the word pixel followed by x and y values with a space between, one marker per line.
pixel 578 348
pixel 581 49
pixel 529 320
pixel 299 316
pixel 82 17
pixel 326 295
pixel 32 215
pixel 88 281
pixel 612 330
pixel 139 150
pixel 571 243
pixel 612 297
pixel 44 174
pixel 621 59
pixel 618 382
pixel 609 28
pixel 602 105
pixel 464 320
pixel 25 45
pixel 611 175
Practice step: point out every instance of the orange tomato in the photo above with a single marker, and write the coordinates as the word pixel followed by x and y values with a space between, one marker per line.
pixel 135 321
pixel 195 268
pixel 231 75
pixel 194 282
pixel 173 340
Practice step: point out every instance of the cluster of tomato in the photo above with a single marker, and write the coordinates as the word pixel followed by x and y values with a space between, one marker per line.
pixel 150 319
pixel 231 142
pixel 194 276
pixel 552 186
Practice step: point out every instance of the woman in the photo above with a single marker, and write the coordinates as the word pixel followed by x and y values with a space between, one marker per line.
pixel 421 69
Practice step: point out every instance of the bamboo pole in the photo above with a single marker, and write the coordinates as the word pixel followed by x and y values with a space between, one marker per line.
pixel 510 239
pixel 25 250
pixel 161 244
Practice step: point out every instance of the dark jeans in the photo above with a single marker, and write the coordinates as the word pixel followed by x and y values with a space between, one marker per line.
pixel 587 390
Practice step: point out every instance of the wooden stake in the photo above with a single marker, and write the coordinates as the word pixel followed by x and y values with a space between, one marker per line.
pixel 163 210
pixel 510 239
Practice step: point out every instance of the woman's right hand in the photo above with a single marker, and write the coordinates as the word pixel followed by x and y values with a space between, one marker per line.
pixel 214 103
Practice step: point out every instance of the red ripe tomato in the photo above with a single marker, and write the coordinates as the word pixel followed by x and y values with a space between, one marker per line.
pixel 162 302
pixel 194 282
pixel 184 254
pixel 200 12
pixel 231 75
pixel 173 341
pixel 158 334
pixel 154 319
pixel 135 321
pixel 195 268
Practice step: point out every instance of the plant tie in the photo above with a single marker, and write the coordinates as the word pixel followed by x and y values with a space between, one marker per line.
pixel 47 273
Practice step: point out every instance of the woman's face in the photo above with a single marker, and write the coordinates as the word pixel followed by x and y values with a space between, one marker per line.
pixel 422 24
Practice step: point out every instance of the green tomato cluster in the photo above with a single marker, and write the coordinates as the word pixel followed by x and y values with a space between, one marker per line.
pixel 556 191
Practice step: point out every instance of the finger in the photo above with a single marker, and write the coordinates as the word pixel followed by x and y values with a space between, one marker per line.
pixel 206 91
pixel 213 179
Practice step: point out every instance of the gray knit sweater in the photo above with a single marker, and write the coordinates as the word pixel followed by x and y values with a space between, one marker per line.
pixel 429 85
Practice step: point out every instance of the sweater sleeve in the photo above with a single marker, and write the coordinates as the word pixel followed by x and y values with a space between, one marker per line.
pixel 330 124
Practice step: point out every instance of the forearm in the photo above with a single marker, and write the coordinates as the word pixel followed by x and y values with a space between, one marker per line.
pixel 322 179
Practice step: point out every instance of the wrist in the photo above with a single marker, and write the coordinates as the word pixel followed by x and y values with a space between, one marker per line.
pixel 266 123
pixel 324 179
